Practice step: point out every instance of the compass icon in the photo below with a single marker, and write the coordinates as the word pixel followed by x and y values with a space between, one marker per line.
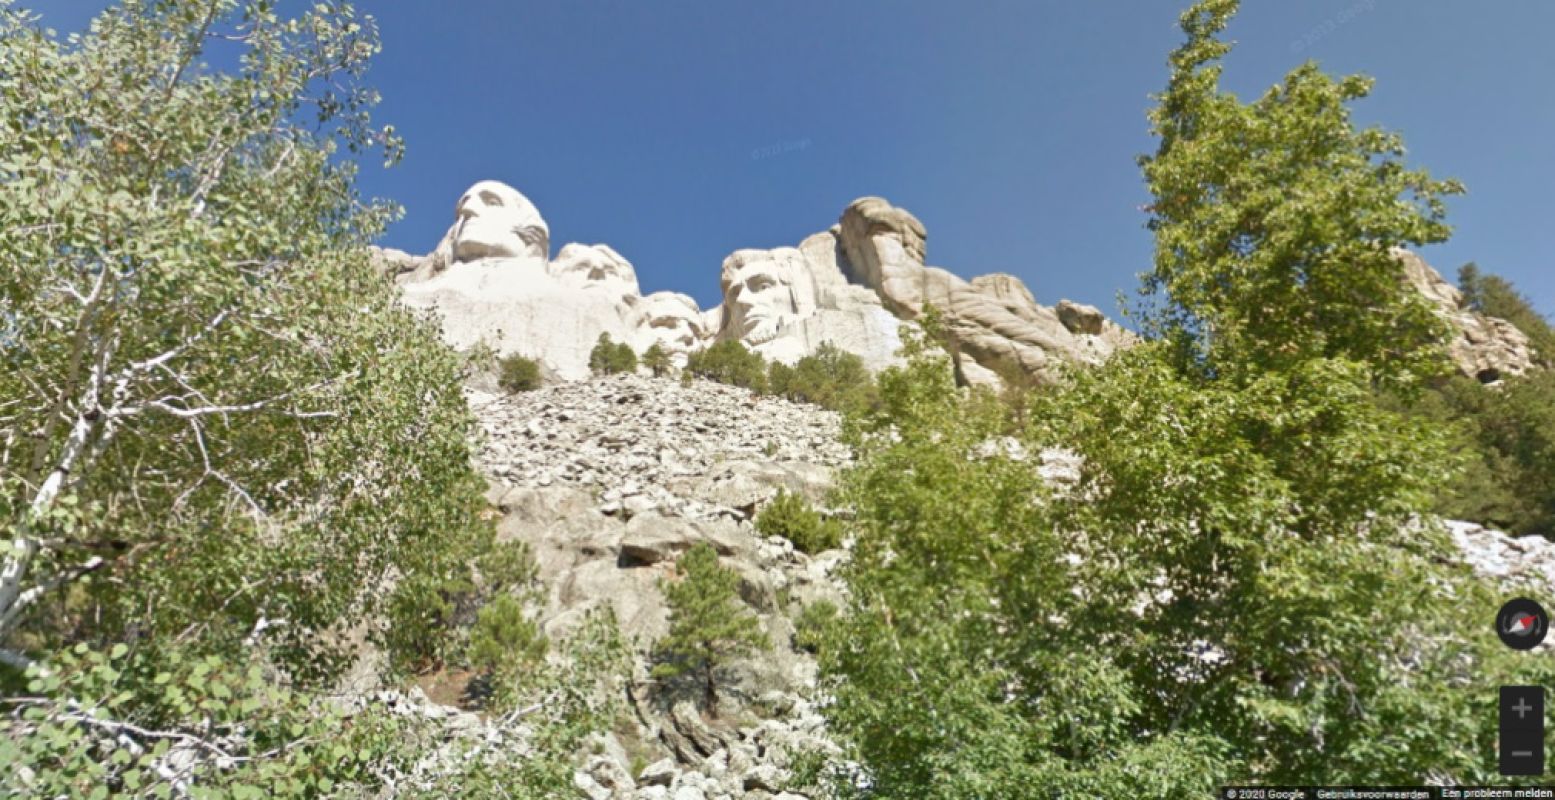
pixel 1522 624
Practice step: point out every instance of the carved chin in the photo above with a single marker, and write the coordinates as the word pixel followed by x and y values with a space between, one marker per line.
pixel 761 330
pixel 475 250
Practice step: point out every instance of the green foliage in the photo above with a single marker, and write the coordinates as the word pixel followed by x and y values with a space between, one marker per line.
pixel 1240 584
pixel 657 360
pixel 952 669
pixel 810 629
pixel 830 377
pixel 1495 296
pixel 729 362
pixel 236 419
pixel 611 358
pixel 1505 438
pixel 1273 525
pixel 709 624
pixel 504 639
pixel 791 517
pixel 546 711
pixel 518 373
pixel 1273 221
pixel 122 724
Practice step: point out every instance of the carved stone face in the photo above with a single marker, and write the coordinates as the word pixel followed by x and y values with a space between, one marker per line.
pixel 595 267
pixel 674 321
pixel 495 221
pixel 765 292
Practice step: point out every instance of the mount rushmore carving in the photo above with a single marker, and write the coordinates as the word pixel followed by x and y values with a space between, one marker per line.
pixel 492 279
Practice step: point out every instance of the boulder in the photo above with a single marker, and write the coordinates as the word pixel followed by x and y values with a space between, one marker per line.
pixel 1481 347
pixel 659 773
pixel 994 320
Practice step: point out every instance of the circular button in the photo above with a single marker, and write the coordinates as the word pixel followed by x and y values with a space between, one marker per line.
pixel 1522 624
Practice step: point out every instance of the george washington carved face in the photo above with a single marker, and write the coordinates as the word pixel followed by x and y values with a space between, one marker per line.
pixel 495 221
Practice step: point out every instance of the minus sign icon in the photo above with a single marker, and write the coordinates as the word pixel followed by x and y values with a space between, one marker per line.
pixel 1522 754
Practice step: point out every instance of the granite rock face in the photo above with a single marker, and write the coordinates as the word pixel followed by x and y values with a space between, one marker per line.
pixel 491 279
pixel 854 285
pixel 609 480
pixel 994 319
pixel 1482 347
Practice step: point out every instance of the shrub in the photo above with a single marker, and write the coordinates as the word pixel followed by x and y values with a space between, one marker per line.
pixel 830 377
pixel 518 373
pixel 730 362
pixel 657 360
pixel 611 358
pixel 811 626
pixel 789 516
pixel 504 639
pixel 780 379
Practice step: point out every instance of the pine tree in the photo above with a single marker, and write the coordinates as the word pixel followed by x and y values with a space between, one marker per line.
pixel 708 623
pixel 657 360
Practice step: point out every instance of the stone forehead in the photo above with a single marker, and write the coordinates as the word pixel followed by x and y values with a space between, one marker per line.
pixel 881 214
pixel 509 197
pixel 576 256
pixel 782 260
pixel 661 304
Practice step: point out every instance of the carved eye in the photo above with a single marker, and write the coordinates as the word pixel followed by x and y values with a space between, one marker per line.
pixel 759 283
pixel 491 199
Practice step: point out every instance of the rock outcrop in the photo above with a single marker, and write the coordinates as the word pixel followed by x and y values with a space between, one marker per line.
pixel 491 279
pixel 1482 347
pixel 609 480
pixel 994 319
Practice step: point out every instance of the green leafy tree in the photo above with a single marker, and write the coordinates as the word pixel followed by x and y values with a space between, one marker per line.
pixel 518 373
pixel 952 663
pixel 611 358
pixel 730 362
pixel 1239 584
pixel 224 447
pixel 657 360
pixel 709 624
pixel 1274 220
pixel 231 428
pixel 138 726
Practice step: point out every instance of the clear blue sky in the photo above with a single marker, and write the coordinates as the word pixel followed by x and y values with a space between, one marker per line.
pixel 678 131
